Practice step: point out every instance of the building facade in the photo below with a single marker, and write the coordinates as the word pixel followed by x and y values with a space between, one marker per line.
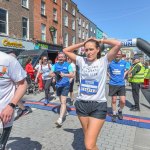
pixel 82 25
pixel 92 29
pixel 47 21
pixel 16 24
pixel 69 10
pixel 99 33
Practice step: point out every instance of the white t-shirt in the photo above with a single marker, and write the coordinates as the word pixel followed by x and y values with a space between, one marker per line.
pixel 92 79
pixel 11 72
pixel 45 70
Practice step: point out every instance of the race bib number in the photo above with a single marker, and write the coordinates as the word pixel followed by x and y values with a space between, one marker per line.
pixel 89 87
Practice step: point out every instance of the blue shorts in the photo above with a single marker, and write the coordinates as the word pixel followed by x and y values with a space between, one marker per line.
pixel 62 91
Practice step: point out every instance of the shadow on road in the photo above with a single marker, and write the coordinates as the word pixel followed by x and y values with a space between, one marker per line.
pixel 146 93
pixel 19 143
pixel 128 104
pixel 78 143
pixel 145 105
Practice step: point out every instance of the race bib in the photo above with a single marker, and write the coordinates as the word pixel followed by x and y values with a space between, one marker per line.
pixel 89 87
pixel 116 72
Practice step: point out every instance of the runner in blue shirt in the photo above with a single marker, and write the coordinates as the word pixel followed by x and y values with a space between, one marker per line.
pixel 117 73
pixel 62 71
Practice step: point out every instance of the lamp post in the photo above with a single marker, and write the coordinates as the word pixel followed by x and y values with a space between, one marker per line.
pixel 52 30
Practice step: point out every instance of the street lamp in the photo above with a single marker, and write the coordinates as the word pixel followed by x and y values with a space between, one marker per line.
pixel 52 30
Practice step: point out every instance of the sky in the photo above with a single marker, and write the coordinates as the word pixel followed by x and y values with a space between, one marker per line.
pixel 120 19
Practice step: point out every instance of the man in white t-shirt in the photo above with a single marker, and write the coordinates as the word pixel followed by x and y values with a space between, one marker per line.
pixel 11 73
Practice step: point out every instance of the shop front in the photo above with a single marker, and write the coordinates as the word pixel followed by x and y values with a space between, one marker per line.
pixel 8 44
pixel 52 49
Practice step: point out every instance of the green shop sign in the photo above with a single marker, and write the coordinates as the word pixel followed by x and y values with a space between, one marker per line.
pixel 44 46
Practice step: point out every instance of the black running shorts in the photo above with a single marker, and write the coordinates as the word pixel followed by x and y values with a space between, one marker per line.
pixel 91 109
pixel 115 90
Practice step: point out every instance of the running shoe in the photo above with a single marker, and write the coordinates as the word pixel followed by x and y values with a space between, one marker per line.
pixel 21 112
pixel 59 122
pixel 46 102
pixel 120 116
pixel 114 118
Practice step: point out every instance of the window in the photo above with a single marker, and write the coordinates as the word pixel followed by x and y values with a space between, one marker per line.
pixel 3 21
pixel 73 40
pixel 91 29
pixel 43 8
pixel 54 14
pixel 25 30
pixel 83 25
pixel 73 12
pixel 55 1
pixel 79 33
pixel 79 21
pixel 87 35
pixel 83 35
pixel 66 40
pixel 73 24
pixel 55 36
pixel 66 21
pixel 87 26
pixel 66 6
pixel 25 3
pixel 43 32
pixel 94 31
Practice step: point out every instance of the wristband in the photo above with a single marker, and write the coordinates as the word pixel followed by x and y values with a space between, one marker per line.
pixel 12 105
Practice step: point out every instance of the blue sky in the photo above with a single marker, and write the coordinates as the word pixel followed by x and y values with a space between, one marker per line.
pixel 121 19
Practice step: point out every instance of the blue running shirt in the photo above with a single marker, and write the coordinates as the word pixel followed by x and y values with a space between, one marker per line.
pixel 117 70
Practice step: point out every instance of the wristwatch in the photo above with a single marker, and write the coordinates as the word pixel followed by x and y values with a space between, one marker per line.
pixel 12 105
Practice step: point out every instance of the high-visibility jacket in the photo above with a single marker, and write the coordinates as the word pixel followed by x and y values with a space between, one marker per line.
pixel 139 76
pixel 147 73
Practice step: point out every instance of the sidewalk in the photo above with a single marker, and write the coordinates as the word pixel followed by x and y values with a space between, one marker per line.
pixel 37 130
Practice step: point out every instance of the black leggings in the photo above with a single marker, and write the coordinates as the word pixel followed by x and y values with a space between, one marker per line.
pixel 47 84
pixel 5 137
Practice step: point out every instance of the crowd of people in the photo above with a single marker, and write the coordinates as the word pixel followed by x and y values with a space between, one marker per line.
pixel 91 102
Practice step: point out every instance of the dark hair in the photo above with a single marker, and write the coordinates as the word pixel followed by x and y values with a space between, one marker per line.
pixel 93 41
pixel 43 57
pixel 97 45
pixel 28 60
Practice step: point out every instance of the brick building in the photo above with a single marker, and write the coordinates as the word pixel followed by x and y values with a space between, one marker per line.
pixel 16 24
pixel 47 21
pixel 69 9
pixel 47 26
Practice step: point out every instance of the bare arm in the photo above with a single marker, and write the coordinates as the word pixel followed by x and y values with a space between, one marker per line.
pixel 126 72
pixel 69 51
pixel 69 75
pixel 116 47
pixel 21 89
pixel 8 111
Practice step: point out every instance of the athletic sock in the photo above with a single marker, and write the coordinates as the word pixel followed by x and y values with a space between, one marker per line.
pixel 114 112
pixel 120 110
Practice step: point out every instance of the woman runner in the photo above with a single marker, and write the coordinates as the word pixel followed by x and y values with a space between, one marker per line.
pixel 91 104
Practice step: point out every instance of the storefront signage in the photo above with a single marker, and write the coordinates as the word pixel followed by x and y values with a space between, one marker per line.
pixel 43 46
pixel 15 44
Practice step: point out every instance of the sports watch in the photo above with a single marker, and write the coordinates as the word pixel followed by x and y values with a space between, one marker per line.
pixel 12 105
